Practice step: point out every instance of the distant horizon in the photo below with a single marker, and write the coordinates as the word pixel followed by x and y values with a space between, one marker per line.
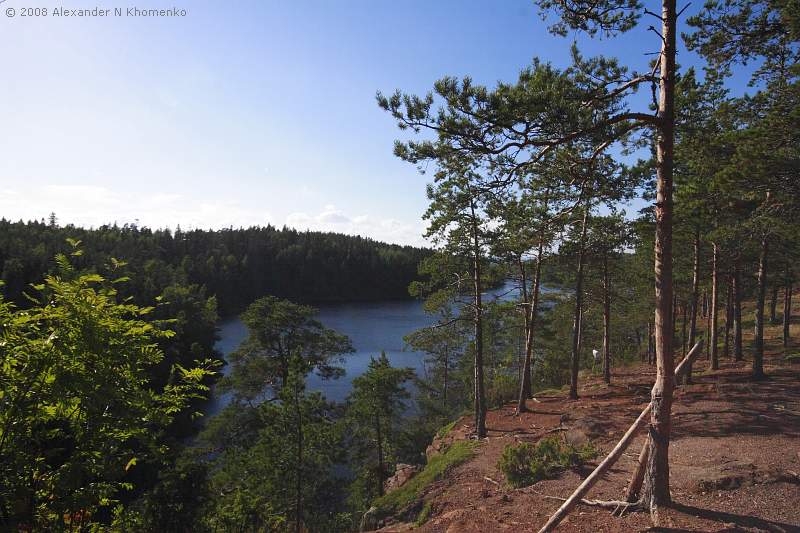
pixel 184 229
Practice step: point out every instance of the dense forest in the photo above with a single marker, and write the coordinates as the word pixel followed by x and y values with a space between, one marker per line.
pixel 107 333
pixel 234 265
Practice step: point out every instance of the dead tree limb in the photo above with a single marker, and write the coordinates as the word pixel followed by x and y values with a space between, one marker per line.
pixel 613 456
pixel 632 494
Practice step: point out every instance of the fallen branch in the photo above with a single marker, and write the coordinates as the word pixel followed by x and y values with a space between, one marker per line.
pixel 632 494
pixel 613 456
pixel 490 480
pixel 617 507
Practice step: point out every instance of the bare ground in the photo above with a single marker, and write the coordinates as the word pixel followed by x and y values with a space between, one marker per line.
pixel 734 455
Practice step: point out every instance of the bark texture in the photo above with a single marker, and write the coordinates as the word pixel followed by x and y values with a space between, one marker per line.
pixel 726 351
pixel 576 329
pixel 526 388
pixel 480 399
pixel 758 338
pixel 695 294
pixel 655 490
pixel 787 311
pixel 714 307
pixel 606 324
pixel 737 313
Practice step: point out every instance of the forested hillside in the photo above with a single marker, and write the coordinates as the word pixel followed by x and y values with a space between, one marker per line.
pixel 234 265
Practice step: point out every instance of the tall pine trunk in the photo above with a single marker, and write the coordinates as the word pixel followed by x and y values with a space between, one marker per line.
pixel 787 310
pixel 576 329
pixel 683 328
pixel 708 325
pixel 714 306
pixel 726 351
pixel 480 399
pixel 525 384
pixel 606 323
pixel 773 305
pixel 695 294
pixel 379 452
pixel 758 338
pixel 737 312
pixel 445 376
pixel 655 490
pixel 298 495
pixel 526 389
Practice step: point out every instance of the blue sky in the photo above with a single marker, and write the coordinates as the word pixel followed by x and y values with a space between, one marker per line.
pixel 246 112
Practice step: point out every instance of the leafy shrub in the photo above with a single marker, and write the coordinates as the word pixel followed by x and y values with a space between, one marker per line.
pixel 527 463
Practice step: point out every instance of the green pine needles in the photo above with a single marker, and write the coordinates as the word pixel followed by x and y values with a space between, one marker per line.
pixel 528 463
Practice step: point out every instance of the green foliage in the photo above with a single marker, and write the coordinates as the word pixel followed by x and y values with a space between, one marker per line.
pixel 727 32
pixel 607 17
pixel 446 429
pixel 281 463
pixel 424 514
pixel 527 463
pixel 374 417
pixel 177 500
pixel 279 330
pixel 234 265
pixel 401 498
pixel 277 445
pixel 78 412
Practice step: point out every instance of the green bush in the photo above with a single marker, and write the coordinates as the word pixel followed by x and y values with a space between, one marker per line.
pixel 527 463
pixel 501 390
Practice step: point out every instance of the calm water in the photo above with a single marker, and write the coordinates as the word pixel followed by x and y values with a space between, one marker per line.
pixel 372 327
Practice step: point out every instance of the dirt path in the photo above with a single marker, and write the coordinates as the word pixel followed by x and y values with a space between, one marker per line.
pixel 735 456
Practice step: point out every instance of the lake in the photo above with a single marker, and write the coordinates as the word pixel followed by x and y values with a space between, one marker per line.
pixel 371 326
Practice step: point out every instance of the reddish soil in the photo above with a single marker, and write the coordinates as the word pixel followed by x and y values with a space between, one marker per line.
pixel 734 455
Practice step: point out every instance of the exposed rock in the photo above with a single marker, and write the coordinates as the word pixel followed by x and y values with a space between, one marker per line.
pixel 435 448
pixel 402 474
pixel 576 437
pixel 734 474
pixel 729 476
pixel 586 429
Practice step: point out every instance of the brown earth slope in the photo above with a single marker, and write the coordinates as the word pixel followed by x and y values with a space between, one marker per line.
pixel 735 455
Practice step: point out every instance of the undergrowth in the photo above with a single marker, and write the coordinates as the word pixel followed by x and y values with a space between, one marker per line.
pixel 424 514
pixel 445 430
pixel 404 496
pixel 527 463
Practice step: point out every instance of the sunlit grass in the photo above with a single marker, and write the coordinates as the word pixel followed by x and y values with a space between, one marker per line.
pixel 437 466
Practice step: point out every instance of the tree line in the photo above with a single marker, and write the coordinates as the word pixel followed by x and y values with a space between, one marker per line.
pixel 235 265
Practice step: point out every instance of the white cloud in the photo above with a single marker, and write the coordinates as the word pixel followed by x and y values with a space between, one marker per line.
pixel 91 205
pixel 382 229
